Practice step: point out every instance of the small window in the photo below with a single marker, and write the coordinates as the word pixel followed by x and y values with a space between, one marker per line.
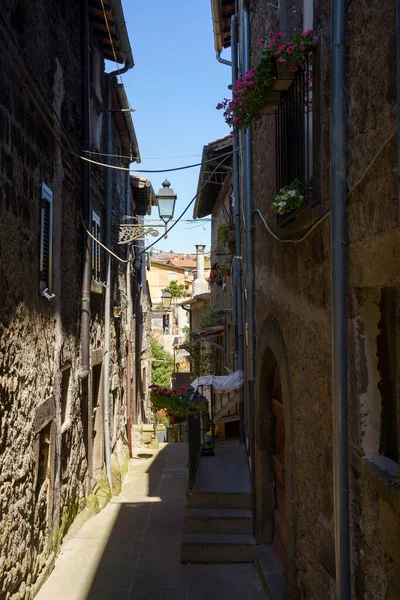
pixel 46 238
pixel 171 276
pixel 96 248
pixel 294 136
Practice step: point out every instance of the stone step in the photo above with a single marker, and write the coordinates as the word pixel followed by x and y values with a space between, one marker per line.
pixel 270 571
pixel 238 500
pixel 217 520
pixel 207 548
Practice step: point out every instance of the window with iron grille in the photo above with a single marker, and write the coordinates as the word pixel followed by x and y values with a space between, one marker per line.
pixel 96 248
pixel 46 239
pixel 294 136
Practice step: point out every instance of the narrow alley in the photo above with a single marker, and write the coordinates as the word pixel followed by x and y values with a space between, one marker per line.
pixel 131 550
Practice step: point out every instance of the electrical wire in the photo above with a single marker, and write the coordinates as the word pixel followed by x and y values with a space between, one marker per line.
pixel 258 211
pixel 159 238
pixel 187 207
pixel 143 158
pixel 101 164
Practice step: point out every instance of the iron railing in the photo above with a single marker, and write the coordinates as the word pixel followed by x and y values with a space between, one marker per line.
pixel 294 136
pixel 194 448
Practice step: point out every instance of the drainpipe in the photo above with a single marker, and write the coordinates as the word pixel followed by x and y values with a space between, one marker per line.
pixel 107 308
pixel 339 298
pixel 128 326
pixel 108 260
pixel 86 208
pixel 222 60
pixel 249 248
pixel 237 263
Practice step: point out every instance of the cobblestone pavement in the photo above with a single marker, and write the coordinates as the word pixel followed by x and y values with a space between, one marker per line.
pixel 131 550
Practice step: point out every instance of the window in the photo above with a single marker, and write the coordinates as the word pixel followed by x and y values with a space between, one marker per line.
pixel 172 276
pixel 96 248
pixel 46 239
pixel 294 136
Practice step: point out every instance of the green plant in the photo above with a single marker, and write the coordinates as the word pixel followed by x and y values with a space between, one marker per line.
pixel 178 402
pixel 162 364
pixel 186 332
pixel 210 317
pixel 177 290
pixel 289 198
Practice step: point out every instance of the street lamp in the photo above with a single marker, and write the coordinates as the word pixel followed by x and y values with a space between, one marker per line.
pixel 166 199
pixel 166 299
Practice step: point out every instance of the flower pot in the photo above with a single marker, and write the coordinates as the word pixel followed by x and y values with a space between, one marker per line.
pixel 222 235
pixel 272 103
pixel 284 77
pixel 227 273
pixel 174 420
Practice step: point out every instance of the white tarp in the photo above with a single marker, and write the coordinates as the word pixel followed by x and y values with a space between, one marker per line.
pixel 234 381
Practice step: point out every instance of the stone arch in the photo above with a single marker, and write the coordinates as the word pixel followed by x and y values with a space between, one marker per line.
pixel 272 377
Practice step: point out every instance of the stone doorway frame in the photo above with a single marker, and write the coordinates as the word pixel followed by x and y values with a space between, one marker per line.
pixel 271 353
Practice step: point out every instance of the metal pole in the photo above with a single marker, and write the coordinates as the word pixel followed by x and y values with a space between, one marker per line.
pixel 339 299
pixel 238 291
pixel 249 245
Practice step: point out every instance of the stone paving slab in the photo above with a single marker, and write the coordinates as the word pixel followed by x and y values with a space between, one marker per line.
pixel 131 550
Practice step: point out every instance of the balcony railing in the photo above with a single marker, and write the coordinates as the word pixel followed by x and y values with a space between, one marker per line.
pixel 294 136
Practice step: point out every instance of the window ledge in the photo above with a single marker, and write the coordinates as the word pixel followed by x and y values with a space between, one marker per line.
pixel 381 472
pixel 96 288
pixel 301 219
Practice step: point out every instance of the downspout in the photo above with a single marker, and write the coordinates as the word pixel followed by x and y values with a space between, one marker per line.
pixel 237 264
pixel 128 326
pixel 222 60
pixel 86 208
pixel 339 299
pixel 108 243
pixel 249 248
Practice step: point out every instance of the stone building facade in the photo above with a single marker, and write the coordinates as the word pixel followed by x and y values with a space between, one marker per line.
pixel 52 414
pixel 292 404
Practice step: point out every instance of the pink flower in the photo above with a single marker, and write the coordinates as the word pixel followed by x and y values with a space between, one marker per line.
pixel 307 32
pixel 260 42
pixel 281 60
pixel 230 87
pixel 219 106
pixel 294 68
pixel 302 47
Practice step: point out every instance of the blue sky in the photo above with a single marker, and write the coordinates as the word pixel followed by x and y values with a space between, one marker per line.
pixel 174 87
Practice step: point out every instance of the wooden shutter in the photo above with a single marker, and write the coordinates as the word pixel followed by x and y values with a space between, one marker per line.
pixel 96 266
pixel 46 238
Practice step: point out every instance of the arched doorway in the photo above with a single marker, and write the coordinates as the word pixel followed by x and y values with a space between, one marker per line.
pixel 275 498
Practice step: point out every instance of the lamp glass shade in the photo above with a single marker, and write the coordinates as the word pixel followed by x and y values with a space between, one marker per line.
pixel 166 299
pixel 166 208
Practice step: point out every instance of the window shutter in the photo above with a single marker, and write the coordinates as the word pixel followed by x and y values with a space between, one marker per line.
pixel 46 238
pixel 96 265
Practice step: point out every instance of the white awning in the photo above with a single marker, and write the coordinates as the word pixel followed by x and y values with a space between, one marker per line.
pixel 234 381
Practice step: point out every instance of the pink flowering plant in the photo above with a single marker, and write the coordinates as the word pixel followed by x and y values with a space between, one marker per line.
pixel 251 91
pixel 178 402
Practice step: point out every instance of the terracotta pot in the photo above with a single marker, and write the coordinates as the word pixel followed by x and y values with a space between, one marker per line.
pixel 174 420
pixel 284 77
pixel 227 273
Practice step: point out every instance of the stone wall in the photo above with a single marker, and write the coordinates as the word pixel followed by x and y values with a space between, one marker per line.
pixel 46 437
pixel 293 317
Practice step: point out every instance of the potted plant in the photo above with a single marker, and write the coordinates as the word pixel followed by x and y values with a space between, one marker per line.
pixel 289 198
pixel 177 402
pixel 258 91
pixel 223 231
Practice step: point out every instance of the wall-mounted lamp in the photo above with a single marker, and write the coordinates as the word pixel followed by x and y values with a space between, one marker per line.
pixel 166 299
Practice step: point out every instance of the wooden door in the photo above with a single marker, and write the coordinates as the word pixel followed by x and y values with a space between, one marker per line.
pixel 279 542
